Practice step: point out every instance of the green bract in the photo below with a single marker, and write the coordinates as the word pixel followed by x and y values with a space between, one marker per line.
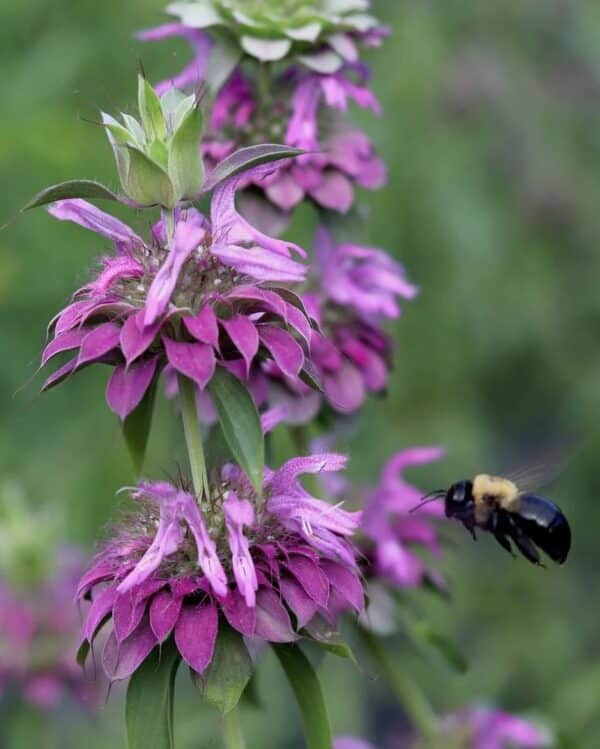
pixel 270 30
pixel 158 158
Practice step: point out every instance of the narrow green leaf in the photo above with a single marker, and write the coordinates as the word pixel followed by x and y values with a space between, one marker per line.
pixel 149 705
pixel 229 672
pixel 186 168
pixel 246 158
pixel 223 60
pixel 74 188
pixel 240 423
pixel 216 450
pixel 136 429
pixel 147 183
pixel 307 689
pixel 151 113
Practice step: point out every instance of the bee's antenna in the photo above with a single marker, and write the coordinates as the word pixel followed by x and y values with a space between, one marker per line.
pixel 431 497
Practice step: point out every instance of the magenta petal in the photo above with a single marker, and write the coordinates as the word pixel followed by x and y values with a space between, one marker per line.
pixel 194 360
pixel 195 634
pixel 135 339
pixel 87 215
pixel 334 191
pixel 164 612
pixel 98 611
pixel 311 577
pixel 204 326
pixel 298 601
pixel 99 342
pixel 126 387
pixel 286 352
pixel 345 582
pixel 121 660
pixel 345 389
pixel 272 620
pixel 127 614
pixel 71 316
pixel 98 573
pixel 244 336
pixel 63 342
pixel 238 614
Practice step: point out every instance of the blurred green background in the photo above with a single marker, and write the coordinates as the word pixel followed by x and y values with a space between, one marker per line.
pixel 492 134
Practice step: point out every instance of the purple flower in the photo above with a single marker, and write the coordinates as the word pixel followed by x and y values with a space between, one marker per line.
pixel 299 101
pixel 191 302
pixel 351 742
pixel 270 565
pixel 365 279
pixel 38 629
pixel 494 729
pixel 392 531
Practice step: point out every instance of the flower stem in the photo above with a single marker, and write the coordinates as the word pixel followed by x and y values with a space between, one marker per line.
pixel 193 439
pixel 232 731
pixel 169 219
pixel 412 699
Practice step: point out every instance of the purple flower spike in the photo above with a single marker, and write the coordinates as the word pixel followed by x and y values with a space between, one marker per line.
pixel 494 729
pixel 388 524
pixel 268 563
pixel 188 303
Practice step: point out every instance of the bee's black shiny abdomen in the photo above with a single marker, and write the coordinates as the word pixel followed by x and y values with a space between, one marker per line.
pixel 545 525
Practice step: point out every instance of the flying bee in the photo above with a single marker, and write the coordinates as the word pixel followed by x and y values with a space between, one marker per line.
pixel 497 505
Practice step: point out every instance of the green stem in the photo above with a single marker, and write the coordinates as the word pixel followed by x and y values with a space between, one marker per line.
pixel 412 699
pixel 232 731
pixel 169 219
pixel 193 440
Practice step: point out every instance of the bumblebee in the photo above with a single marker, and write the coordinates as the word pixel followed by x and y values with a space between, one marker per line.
pixel 496 505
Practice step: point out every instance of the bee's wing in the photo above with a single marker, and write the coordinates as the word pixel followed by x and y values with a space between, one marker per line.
pixel 543 467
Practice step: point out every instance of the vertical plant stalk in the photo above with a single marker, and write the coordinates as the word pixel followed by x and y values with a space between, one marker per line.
pixel 409 695
pixel 233 738
pixel 193 440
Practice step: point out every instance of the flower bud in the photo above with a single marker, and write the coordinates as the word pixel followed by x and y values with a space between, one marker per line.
pixel 158 157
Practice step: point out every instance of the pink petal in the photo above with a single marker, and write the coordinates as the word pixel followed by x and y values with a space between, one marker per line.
pixel 244 336
pixel 164 612
pixel 240 617
pixel 272 620
pixel 121 660
pixel 64 342
pixel 298 600
pixel 135 339
pixel 345 582
pixel 87 215
pixel 127 386
pixel 127 614
pixel 99 342
pixel 286 352
pixel 334 191
pixel 98 611
pixel 194 360
pixel 195 634
pixel 204 326
pixel 311 577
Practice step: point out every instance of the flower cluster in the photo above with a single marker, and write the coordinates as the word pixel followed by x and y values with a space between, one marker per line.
pixel 301 104
pixel 271 565
pixel 38 631
pixel 189 301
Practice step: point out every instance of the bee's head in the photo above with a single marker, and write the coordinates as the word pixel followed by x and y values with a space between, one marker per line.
pixel 459 498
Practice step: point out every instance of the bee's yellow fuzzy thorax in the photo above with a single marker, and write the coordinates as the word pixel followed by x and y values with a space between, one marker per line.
pixel 488 488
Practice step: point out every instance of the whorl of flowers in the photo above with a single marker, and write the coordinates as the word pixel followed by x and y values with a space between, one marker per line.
pixel 486 728
pixel 302 105
pixel 195 302
pixel 271 566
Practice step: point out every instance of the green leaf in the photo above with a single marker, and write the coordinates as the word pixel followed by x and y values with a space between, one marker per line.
pixel 246 158
pixel 149 704
pixel 151 113
pixel 265 50
pixel 136 428
pixel 223 60
pixel 307 689
pixel 320 632
pixel 74 188
pixel 240 423
pixel 452 654
pixel 229 672
pixel 216 450
pixel 147 183
pixel 186 168
pixel 326 62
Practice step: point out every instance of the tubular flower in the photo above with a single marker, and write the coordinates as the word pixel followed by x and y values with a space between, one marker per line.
pixel 191 302
pixel 485 728
pixel 391 531
pixel 304 107
pixel 271 566
pixel 38 629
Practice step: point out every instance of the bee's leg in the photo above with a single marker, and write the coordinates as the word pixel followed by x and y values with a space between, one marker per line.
pixel 524 543
pixel 470 526
pixel 504 543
